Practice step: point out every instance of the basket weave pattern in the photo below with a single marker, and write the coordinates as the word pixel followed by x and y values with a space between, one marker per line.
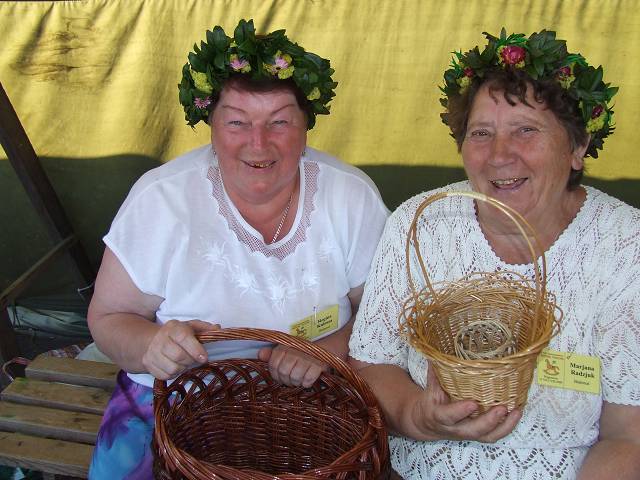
pixel 229 420
pixel 432 318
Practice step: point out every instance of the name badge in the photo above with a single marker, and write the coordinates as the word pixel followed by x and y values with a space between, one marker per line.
pixel 316 324
pixel 569 370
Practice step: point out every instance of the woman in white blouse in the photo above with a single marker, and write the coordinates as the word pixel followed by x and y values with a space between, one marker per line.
pixel 253 230
pixel 524 113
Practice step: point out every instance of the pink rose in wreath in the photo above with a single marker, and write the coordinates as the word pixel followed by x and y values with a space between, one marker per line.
pixel 512 55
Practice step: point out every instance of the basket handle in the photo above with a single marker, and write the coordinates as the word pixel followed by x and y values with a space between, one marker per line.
pixel 522 225
pixel 273 336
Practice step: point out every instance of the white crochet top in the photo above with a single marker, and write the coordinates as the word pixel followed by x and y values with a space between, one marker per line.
pixel 594 271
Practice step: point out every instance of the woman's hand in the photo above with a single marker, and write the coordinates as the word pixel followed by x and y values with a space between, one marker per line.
pixel 438 417
pixel 292 367
pixel 429 414
pixel 174 348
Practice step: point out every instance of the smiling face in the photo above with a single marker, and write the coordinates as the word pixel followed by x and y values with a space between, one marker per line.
pixel 522 156
pixel 258 138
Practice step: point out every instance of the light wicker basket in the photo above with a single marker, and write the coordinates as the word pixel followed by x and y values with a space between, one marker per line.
pixel 228 419
pixel 434 318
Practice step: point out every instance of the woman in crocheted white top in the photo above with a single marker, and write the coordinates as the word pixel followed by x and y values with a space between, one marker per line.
pixel 523 141
pixel 253 230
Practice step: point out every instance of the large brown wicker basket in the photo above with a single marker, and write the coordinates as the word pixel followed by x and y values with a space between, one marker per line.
pixel 434 318
pixel 229 420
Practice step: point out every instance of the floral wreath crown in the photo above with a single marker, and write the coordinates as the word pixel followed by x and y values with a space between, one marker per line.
pixel 271 56
pixel 542 57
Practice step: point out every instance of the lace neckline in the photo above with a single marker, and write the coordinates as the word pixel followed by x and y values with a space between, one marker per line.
pixel 248 235
pixel 568 232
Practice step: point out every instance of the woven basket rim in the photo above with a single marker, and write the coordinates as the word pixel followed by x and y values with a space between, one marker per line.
pixel 373 440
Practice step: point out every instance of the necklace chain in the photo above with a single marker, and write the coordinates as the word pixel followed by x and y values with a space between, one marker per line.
pixel 284 217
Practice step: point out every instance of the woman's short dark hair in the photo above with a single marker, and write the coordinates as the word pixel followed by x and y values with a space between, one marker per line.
pixel 513 85
pixel 262 85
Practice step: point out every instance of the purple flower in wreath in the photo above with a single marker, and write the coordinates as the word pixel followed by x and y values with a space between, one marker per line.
pixel 598 119
pixel 281 62
pixel 239 65
pixel 565 76
pixel 597 111
pixel 564 71
pixel 202 103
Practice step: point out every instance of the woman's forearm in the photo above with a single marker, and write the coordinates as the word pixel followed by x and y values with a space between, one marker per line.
pixel 616 454
pixel 612 458
pixel 124 338
pixel 395 392
pixel 338 342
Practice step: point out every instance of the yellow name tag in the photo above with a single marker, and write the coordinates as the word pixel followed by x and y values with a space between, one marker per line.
pixel 569 370
pixel 316 324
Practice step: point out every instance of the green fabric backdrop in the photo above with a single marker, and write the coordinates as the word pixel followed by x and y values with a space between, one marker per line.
pixel 94 83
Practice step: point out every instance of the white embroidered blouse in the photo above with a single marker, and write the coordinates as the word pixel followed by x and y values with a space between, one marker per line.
pixel 180 237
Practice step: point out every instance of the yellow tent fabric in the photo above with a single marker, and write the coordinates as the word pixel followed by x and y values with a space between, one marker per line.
pixel 94 78
pixel 97 79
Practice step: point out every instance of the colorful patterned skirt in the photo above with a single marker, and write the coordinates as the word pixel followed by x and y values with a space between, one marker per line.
pixel 123 448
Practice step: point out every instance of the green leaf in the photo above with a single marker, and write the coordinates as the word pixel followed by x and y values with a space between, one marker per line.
pixel 196 63
pixel 539 66
pixel 474 59
pixel 219 61
pixel 208 52
pixel 238 33
pixel 277 35
pixel 490 37
pixel 185 96
pixel 293 49
pixel 586 109
pixel 247 47
pixel 219 39
pixel 450 76
pixel 535 51
pixel 597 79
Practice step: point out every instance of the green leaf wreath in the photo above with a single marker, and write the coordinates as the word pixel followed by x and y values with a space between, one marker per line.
pixel 541 56
pixel 263 56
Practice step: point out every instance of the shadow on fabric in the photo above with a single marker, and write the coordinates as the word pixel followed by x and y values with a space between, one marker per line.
pixel 397 183
pixel 92 189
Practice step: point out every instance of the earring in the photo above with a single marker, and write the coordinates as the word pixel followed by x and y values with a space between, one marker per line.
pixel 304 152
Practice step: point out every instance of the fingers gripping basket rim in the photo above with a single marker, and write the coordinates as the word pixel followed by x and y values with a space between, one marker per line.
pixel 458 375
pixel 372 447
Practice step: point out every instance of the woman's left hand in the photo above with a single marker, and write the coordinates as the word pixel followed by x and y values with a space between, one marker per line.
pixel 292 367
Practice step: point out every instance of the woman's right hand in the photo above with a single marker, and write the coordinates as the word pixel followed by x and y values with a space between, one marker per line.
pixel 437 417
pixel 174 348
